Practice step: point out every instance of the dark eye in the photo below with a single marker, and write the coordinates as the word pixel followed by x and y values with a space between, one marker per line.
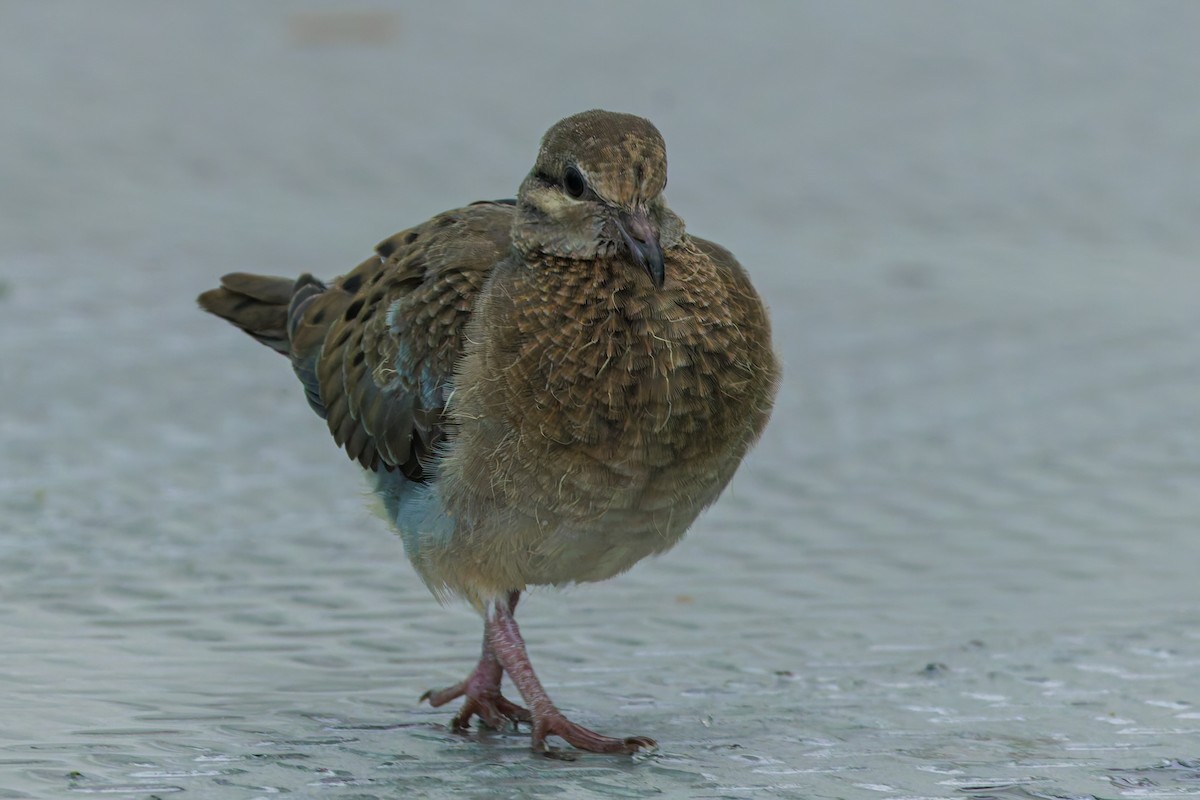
pixel 573 183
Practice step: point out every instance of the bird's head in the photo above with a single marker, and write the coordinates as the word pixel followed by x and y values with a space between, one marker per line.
pixel 595 191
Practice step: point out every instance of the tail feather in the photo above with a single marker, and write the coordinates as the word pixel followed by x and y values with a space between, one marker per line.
pixel 258 304
pixel 307 333
pixel 291 317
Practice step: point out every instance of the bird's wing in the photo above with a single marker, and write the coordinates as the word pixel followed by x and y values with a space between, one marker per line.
pixel 376 348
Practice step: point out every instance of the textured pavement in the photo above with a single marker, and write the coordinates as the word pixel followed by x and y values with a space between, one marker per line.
pixel 962 563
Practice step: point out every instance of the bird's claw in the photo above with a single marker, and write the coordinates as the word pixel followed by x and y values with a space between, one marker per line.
pixel 493 711
pixel 583 738
pixel 492 708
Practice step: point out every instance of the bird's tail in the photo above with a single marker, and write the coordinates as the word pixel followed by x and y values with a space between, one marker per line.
pixel 263 306
pixel 291 317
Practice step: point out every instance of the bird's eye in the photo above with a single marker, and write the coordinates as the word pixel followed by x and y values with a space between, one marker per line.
pixel 573 183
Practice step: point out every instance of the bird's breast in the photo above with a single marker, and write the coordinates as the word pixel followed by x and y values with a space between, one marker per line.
pixel 586 389
pixel 635 375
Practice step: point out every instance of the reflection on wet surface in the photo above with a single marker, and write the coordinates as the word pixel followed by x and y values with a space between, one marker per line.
pixel 961 563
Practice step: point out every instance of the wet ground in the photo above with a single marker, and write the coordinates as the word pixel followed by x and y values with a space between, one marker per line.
pixel 962 563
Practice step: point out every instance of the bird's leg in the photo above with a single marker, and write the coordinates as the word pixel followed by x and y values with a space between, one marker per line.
pixel 509 650
pixel 482 690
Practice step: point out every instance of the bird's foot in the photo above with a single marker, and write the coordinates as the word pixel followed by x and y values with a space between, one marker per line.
pixel 493 710
pixel 507 648
pixel 483 700
pixel 553 723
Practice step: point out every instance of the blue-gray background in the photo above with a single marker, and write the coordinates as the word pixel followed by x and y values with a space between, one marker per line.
pixel 962 563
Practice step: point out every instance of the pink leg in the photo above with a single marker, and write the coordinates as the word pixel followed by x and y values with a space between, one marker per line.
pixel 482 690
pixel 509 650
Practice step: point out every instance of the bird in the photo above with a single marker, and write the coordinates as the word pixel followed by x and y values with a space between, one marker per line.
pixel 542 391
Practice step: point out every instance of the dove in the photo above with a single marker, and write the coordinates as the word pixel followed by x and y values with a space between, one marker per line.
pixel 541 391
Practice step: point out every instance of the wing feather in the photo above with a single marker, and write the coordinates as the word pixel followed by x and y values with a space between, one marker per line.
pixel 376 348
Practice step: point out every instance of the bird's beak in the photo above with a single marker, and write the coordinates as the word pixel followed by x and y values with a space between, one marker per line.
pixel 642 240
